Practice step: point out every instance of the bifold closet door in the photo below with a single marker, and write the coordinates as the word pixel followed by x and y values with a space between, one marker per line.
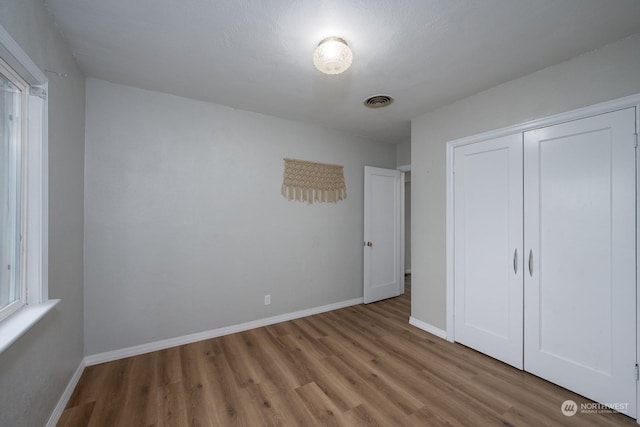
pixel 580 286
pixel 488 266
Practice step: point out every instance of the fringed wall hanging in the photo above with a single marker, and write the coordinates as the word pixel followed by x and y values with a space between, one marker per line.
pixel 313 182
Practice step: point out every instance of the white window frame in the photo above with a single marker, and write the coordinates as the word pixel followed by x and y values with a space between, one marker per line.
pixel 22 124
pixel 34 202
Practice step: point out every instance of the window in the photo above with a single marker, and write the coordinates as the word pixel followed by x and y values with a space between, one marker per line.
pixel 23 192
pixel 12 99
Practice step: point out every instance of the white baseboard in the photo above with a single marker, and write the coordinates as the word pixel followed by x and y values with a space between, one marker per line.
pixel 214 333
pixel 185 339
pixel 428 328
pixel 66 395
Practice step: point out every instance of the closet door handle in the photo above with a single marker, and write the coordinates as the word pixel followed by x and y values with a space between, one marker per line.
pixel 531 262
pixel 515 261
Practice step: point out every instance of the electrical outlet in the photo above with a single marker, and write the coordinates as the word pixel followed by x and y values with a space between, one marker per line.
pixel 267 299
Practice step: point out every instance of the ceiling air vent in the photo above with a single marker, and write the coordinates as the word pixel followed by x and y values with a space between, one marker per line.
pixel 378 101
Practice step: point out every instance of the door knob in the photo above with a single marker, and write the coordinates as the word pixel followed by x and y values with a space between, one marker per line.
pixel 368 244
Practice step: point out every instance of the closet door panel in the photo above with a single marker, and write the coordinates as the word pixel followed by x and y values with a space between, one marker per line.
pixel 579 186
pixel 488 247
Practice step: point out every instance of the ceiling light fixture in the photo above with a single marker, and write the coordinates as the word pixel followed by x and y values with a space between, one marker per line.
pixel 332 56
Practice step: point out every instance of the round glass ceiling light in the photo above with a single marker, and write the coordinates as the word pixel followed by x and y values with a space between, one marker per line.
pixel 332 56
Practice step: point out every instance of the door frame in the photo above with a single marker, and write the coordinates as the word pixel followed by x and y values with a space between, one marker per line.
pixel 593 110
pixel 404 169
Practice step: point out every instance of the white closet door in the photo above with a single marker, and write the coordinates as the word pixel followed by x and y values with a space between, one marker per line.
pixel 488 247
pixel 580 288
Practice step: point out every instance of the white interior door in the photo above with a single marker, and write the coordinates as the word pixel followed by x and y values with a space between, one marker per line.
pixel 383 211
pixel 488 268
pixel 580 286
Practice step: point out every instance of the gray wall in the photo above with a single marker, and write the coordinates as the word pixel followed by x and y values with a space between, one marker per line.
pixel 35 370
pixel 607 73
pixel 403 153
pixel 186 229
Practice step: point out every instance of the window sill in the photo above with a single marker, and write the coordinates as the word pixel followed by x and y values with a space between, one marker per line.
pixel 21 321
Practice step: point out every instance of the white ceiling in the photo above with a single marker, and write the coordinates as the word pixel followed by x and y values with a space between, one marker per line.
pixel 256 55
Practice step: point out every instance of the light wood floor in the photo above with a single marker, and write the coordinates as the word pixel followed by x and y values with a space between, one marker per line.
pixel 362 365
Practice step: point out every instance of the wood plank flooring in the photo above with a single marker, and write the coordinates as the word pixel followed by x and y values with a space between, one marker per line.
pixel 362 365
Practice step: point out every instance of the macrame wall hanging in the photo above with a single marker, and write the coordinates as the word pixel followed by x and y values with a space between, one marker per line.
pixel 313 182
